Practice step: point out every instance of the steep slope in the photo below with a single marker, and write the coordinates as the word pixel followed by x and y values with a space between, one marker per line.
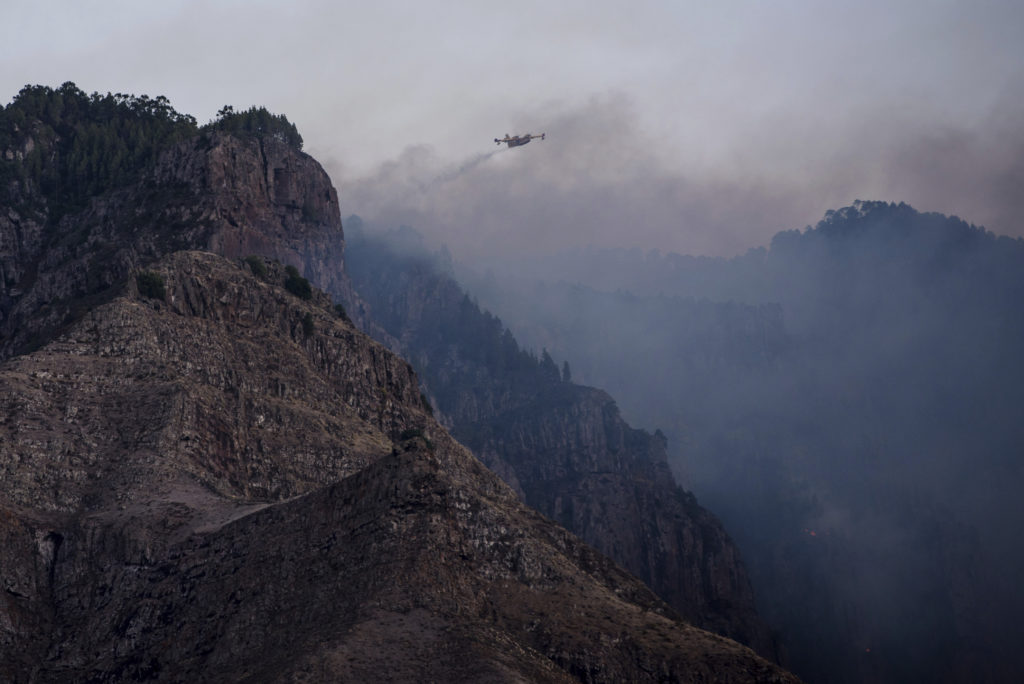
pixel 202 514
pixel 564 447
pixel 216 381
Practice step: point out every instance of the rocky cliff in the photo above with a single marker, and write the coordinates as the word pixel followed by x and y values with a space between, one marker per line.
pixel 233 196
pixel 207 473
pixel 564 447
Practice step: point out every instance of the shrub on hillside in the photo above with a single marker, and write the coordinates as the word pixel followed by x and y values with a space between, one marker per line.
pixel 151 285
pixel 296 284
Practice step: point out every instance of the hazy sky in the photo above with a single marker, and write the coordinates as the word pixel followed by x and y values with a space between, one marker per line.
pixel 689 126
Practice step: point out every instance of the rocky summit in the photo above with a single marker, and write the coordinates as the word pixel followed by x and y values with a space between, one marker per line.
pixel 207 473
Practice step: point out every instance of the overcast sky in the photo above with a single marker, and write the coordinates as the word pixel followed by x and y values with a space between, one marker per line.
pixel 689 126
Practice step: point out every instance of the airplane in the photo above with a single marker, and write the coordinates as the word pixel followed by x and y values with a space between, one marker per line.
pixel 517 140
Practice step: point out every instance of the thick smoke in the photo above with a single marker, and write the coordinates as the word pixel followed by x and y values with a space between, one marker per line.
pixel 601 179
pixel 596 179
pixel 975 173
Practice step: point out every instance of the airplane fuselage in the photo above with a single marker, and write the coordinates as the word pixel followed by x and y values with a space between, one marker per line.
pixel 517 140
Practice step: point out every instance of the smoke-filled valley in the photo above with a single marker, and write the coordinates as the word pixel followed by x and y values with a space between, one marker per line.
pixel 847 400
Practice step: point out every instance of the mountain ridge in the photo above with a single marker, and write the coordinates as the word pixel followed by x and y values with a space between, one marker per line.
pixel 186 438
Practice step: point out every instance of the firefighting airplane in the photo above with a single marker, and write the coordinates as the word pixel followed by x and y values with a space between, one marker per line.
pixel 517 140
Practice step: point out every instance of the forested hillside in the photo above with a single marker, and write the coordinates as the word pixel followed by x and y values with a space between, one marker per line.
pixel 64 146
pixel 95 185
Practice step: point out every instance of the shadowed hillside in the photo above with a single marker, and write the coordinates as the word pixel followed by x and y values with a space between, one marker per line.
pixel 848 402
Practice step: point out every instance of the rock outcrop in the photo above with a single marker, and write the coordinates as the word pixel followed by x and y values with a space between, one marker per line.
pixel 216 192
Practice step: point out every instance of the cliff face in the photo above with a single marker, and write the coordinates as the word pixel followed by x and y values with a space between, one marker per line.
pixel 205 486
pixel 123 384
pixel 216 192
pixel 565 448
pixel 576 460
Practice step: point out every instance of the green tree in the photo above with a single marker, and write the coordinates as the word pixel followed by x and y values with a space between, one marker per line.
pixel 80 145
pixel 256 265
pixel 151 285
pixel 256 122
pixel 296 284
